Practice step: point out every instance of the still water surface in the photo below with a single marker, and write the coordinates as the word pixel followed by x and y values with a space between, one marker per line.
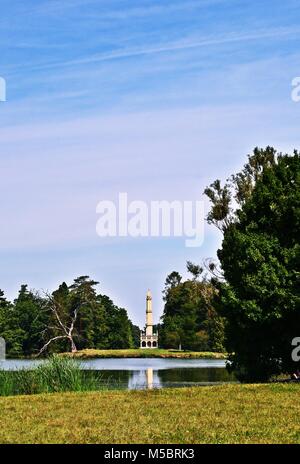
pixel 140 373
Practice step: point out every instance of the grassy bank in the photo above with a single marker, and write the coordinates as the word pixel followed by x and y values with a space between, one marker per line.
pixel 224 414
pixel 144 353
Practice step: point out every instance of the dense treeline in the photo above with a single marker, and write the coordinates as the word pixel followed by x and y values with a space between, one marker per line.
pixel 33 320
pixel 190 320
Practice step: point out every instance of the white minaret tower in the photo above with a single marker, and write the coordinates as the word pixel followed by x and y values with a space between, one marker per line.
pixel 149 315
pixel 148 338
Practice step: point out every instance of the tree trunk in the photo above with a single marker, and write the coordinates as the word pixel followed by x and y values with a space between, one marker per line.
pixel 73 346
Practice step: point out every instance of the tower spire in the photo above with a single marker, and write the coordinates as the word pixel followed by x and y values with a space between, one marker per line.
pixel 148 338
pixel 149 315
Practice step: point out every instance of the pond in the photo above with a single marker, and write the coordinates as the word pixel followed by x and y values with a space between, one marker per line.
pixel 142 373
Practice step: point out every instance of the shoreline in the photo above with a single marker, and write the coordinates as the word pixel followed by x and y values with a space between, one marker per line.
pixel 144 353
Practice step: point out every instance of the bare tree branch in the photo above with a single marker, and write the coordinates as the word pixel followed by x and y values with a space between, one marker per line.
pixel 212 267
pixel 53 308
pixel 48 343
pixel 73 320
pixel 65 327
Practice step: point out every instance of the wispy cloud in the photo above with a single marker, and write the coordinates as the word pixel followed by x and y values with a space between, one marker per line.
pixel 116 9
pixel 125 13
pixel 178 45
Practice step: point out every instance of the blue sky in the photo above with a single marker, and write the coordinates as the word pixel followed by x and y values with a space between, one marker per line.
pixel 153 98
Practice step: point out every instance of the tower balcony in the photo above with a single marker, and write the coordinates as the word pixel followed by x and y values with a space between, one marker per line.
pixel 149 341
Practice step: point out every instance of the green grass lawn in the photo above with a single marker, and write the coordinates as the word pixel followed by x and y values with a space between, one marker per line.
pixel 221 414
pixel 144 353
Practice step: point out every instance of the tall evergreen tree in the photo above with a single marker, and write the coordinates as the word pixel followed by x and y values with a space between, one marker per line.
pixel 31 318
pixel 10 329
pixel 83 294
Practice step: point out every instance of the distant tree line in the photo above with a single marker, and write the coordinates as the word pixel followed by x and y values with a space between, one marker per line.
pixel 33 319
pixel 190 320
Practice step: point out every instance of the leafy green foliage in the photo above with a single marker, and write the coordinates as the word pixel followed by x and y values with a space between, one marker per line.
pixel 9 328
pixel 260 259
pixel 189 319
pixel 27 323
pixel 30 318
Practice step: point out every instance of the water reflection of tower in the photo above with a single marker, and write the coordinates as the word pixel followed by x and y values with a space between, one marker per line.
pixel 149 377
pixel 144 378
pixel 152 378
pixel 148 338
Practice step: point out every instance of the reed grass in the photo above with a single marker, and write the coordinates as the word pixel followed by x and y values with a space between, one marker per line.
pixel 57 374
